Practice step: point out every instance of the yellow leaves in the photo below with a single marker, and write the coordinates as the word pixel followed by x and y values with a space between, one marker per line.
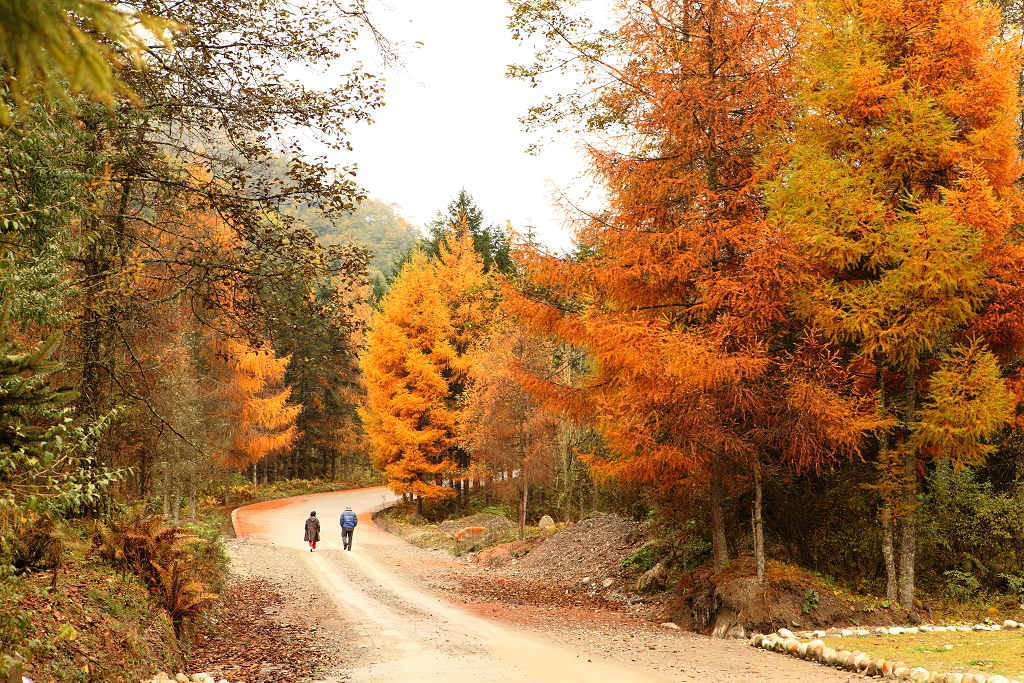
pixel 415 363
pixel 254 400
pixel 968 402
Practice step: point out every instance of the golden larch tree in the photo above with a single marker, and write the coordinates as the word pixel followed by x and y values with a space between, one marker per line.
pixel 900 194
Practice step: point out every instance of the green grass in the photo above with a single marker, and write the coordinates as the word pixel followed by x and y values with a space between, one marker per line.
pixel 988 652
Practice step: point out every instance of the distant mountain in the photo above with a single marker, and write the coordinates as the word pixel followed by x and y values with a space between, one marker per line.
pixel 374 225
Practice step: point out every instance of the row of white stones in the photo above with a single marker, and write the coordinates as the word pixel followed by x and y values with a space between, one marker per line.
pixel 815 650
pixel 899 630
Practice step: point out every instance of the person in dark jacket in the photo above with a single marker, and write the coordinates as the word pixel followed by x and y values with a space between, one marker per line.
pixel 312 530
pixel 348 525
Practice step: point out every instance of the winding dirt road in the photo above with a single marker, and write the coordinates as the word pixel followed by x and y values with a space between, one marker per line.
pixel 390 627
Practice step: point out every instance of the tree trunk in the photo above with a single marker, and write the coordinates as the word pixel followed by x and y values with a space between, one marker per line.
pixel 192 503
pixel 419 505
pixel 176 503
pixel 908 527
pixel 522 508
pixel 719 549
pixel 888 550
pixel 758 523
pixel 888 553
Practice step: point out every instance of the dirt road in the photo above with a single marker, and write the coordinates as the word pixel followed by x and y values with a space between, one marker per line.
pixel 387 625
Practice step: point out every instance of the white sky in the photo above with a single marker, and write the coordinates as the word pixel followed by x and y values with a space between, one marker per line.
pixel 451 120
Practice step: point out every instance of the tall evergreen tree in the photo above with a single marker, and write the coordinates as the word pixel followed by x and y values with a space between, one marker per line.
pixel 490 241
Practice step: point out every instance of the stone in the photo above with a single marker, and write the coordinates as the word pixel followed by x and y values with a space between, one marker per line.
pixel 669 624
pixel 901 671
pixel 546 522
pixel 980 627
pixel 785 633
pixel 586 580
pixel 875 668
pixel 1010 623
pixel 880 631
pixel 919 675
pixel 755 640
pixel 792 645
pixel 846 633
pixel 911 630
pixel 654 579
pixel 801 651
pixel 861 661
pixel 862 632
pixel 737 632
pixel 608 583
pixel 954 678
pixel 926 628
pixel 182 678
pixel 815 648
pixel 998 679
pixel 896 631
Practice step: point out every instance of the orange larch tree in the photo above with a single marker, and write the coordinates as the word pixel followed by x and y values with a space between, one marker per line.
pixel 680 291
pixel 417 366
pixel 408 415
pixel 901 194
pixel 255 402
pixel 500 423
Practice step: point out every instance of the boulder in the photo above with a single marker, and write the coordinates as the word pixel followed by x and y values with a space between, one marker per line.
pixel 785 633
pixel 546 522
pixel 919 675
pixel 608 583
pixel 654 579
pixel 1010 623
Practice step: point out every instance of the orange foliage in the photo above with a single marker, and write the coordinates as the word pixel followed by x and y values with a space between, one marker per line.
pixel 416 366
pixel 680 293
pixel 255 401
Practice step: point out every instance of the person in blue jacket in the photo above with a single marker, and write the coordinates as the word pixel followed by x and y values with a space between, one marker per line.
pixel 348 525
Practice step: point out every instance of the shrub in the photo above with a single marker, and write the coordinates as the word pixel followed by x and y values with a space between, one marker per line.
pixel 175 565
pixel 968 529
pixel 961 586
pixel 31 544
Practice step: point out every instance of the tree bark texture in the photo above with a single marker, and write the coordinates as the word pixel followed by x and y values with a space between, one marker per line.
pixel 719 548
pixel 908 527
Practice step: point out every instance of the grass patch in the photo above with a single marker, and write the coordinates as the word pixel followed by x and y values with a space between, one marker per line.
pixel 988 652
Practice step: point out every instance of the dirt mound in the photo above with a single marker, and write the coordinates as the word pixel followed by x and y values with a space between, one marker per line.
pixel 734 602
pixel 591 549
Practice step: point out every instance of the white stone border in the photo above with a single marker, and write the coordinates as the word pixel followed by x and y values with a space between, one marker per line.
pixel 786 642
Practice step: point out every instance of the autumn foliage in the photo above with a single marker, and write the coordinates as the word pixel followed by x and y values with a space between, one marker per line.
pixel 416 367
pixel 900 193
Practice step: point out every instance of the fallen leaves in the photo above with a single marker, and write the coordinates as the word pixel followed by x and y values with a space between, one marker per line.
pixel 247 639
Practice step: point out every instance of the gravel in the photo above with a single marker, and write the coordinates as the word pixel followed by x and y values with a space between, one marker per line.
pixel 593 548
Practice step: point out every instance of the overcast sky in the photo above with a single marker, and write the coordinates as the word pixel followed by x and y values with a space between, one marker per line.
pixel 451 120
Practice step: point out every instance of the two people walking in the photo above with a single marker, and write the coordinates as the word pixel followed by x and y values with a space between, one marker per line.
pixel 348 526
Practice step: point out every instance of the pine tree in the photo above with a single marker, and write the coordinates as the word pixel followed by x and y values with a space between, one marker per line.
pixel 489 241
pixel 900 194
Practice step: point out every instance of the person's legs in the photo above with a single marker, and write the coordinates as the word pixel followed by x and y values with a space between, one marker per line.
pixel 346 538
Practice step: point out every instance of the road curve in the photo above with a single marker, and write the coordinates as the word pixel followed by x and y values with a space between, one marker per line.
pixel 403 631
